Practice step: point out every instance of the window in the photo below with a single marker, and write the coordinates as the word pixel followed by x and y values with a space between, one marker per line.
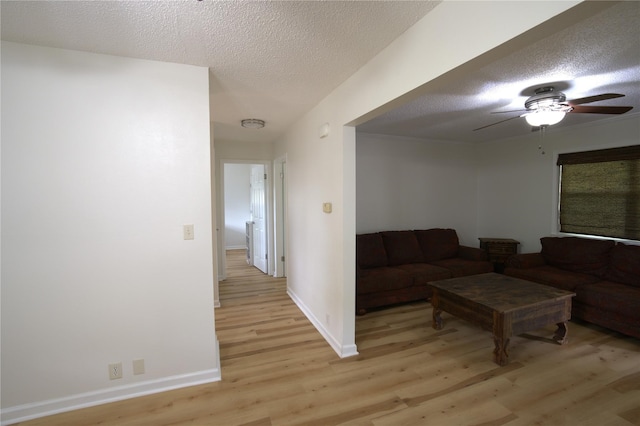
pixel 600 192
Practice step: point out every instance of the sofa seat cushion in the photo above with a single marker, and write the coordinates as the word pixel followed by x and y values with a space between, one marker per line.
pixel 422 273
pixel 554 277
pixel 370 252
pixel 461 267
pixel 438 244
pixel 624 266
pixel 402 247
pixel 610 296
pixel 382 279
pixel 577 254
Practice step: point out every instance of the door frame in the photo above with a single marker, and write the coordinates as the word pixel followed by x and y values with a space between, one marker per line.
pixel 280 233
pixel 222 264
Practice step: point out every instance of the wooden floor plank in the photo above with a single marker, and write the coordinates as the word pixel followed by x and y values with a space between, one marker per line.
pixel 278 370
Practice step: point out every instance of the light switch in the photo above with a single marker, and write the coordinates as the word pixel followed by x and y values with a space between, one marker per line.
pixel 188 232
pixel 327 207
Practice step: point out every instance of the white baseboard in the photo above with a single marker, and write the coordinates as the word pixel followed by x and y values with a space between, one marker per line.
pixel 349 350
pixel 342 351
pixel 34 410
pixel 243 247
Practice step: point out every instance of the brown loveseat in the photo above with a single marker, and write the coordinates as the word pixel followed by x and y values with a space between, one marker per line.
pixel 605 277
pixel 395 266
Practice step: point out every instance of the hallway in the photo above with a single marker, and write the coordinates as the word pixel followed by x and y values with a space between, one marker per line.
pixel 244 281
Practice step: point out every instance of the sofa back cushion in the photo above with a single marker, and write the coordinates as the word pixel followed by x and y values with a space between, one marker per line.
pixel 402 247
pixel 577 254
pixel 438 244
pixel 624 266
pixel 370 252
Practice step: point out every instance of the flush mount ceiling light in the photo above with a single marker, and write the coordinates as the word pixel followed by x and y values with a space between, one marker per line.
pixel 252 123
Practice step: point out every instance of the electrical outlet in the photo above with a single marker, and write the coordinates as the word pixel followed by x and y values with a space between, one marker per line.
pixel 138 366
pixel 115 371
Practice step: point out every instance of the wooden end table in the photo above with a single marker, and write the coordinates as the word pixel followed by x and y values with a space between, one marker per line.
pixel 498 250
pixel 503 305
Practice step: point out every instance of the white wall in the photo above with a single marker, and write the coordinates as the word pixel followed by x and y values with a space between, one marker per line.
pixel 245 151
pixel 237 204
pixel 518 186
pixel 321 256
pixel 103 160
pixel 501 189
pixel 406 183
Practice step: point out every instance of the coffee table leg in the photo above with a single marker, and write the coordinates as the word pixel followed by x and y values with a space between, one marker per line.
pixel 502 331
pixel 561 333
pixel 500 352
pixel 437 320
pixel 435 314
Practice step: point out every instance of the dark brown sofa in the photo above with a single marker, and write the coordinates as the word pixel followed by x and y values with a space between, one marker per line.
pixel 605 277
pixel 395 266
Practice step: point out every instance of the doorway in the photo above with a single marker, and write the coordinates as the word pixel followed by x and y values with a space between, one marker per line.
pixel 244 196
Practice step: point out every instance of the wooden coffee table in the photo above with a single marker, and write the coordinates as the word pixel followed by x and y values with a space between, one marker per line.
pixel 503 305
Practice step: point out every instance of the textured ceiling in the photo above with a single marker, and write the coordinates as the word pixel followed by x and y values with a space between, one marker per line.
pixel 594 55
pixel 275 60
pixel 272 60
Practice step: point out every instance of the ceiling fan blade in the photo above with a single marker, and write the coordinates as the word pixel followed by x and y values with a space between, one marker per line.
pixel 513 110
pixel 594 98
pixel 498 122
pixel 601 109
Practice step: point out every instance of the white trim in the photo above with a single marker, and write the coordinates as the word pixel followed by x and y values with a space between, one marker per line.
pixel 342 351
pixel 349 350
pixel 597 237
pixel 280 236
pixel 21 413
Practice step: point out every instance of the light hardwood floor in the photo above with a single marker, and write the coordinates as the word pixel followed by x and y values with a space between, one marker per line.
pixel 278 370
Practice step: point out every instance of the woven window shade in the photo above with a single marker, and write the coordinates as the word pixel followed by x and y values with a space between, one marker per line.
pixel 600 193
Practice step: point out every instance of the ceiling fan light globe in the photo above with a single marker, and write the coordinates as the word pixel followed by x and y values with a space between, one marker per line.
pixel 544 118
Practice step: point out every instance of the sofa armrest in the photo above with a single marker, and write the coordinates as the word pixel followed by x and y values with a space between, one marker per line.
pixel 358 271
pixel 525 260
pixel 472 253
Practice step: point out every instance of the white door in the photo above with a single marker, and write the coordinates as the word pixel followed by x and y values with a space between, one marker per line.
pixel 259 216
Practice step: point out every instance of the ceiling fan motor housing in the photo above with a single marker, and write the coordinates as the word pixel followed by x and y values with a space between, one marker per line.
pixel 545 97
